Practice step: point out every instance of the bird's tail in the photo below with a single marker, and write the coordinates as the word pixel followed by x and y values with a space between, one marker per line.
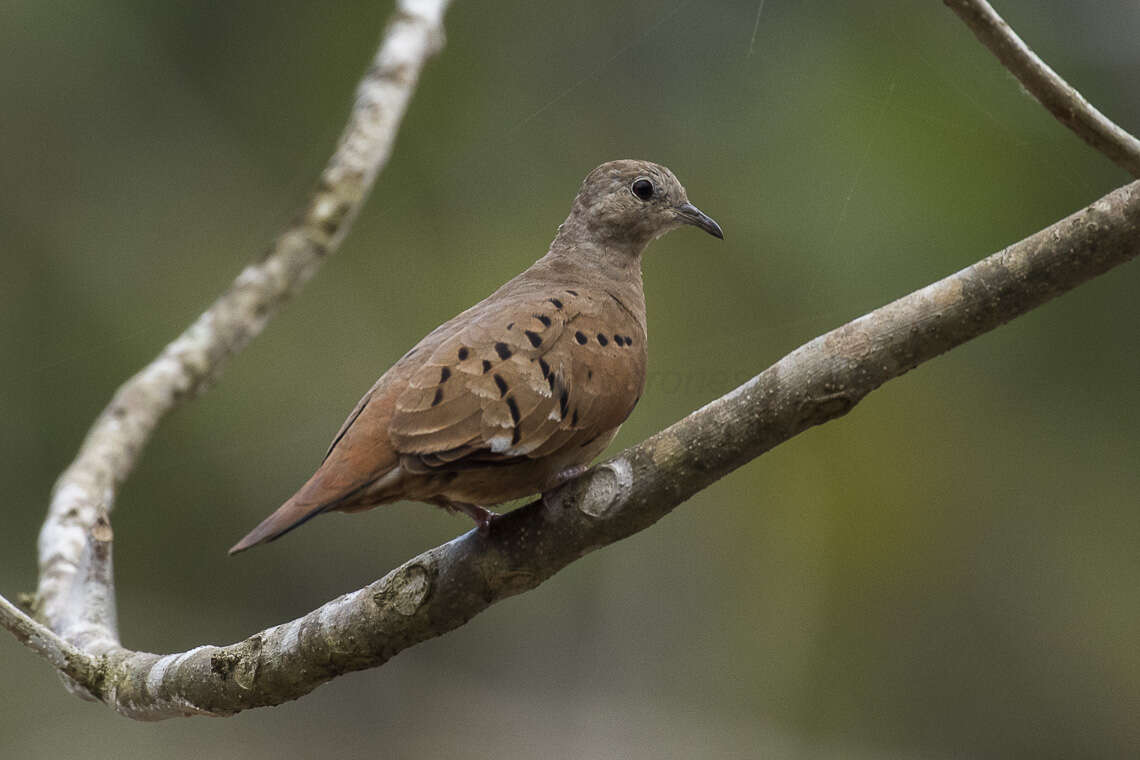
pixel 288 516
pixel 325 491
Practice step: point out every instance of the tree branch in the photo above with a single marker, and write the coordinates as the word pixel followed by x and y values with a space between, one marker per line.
pixel 67 659
pixel 445 587
pixel 87 488
pixel 1050 90
pixel 75 595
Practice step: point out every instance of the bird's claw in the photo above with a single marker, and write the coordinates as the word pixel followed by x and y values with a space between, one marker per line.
pixel 482 516
pixel 568 474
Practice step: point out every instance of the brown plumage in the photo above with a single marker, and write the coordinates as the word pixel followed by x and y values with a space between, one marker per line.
pixel 521 390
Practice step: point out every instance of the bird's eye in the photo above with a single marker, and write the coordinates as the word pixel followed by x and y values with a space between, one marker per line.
pixel 643 189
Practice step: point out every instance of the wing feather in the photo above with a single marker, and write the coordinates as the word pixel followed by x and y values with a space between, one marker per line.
pixel 520 381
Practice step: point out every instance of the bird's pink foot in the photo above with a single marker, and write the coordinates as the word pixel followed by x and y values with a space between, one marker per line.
pixel 482 516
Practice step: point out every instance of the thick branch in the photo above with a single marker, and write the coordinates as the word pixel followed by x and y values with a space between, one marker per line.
pixel 87 488
pixel 1053 92
pixel 445 587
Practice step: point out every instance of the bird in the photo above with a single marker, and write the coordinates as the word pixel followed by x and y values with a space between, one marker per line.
pixel 519 393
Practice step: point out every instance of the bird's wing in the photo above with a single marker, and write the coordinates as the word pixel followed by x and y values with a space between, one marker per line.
pixel 523 380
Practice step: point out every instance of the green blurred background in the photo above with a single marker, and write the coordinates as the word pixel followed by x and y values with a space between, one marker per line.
pixel 950 571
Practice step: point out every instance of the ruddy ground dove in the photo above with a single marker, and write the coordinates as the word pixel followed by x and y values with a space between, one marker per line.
pixel 522 390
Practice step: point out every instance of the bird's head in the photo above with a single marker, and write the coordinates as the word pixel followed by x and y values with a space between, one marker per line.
pixel 629 203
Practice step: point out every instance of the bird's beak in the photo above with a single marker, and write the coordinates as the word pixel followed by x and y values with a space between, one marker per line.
pixel 690 214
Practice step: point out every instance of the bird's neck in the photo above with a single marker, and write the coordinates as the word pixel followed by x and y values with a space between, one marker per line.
pixel 575 247
pixel 606 266
pixel 590 235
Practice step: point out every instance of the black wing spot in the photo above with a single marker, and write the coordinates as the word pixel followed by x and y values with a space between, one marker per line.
pixel 503 388
pixel 462 353
pixel 563 400
pixel 556 302
pixel 572 292
pixel 574 419
pixel 503 350
pixel 514 407
pixel 510 325
pixel 628 341
pixel 516 436
pixel 438 396
pixel 603 340
pixel 589 374
pixel 486 366
pixel 619 340
pixel 545 320
pixel 534 338
pixel 542 365
pixel 443 375
pixel 580 337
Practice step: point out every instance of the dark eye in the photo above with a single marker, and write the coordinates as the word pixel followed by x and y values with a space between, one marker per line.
pixel 643 189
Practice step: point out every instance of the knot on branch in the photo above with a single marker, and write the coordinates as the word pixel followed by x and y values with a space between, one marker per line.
pixel 607 487
pixel 102 534
pixel 240 662
pixel 826 406
pixel 407 590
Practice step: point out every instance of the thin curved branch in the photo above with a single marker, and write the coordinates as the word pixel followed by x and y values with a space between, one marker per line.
pixel 67 659
pixel 1050 90
pixel 445 587
pixel 88 487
